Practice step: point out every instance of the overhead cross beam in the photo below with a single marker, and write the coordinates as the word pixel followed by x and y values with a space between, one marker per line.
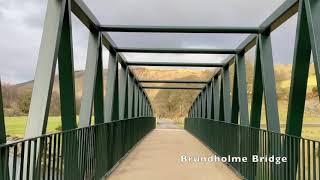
pixel 179 29
pixel 173 81
pixel 278 17
pixel 174 64
pixel 175 50
pixel 172 88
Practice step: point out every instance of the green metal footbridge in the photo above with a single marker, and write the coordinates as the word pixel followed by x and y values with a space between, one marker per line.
pixel 90 148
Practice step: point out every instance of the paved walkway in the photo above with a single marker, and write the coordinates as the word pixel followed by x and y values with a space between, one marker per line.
pixel 163 123
pixel 157 157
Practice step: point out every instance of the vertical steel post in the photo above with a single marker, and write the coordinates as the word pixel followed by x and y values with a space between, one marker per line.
pixel 298 87
pixel 242 89
pixel 89 81
pixel 66 73
pixel 299 77
pixel 2 120
pixel 235 99
pixel 45 70
pixel 130 97
pixel 221 116
pixel 123 92
pixel 269 84
pixel 209 101
pixel 136 100
pixel 256 102
pixel 216 97
pixel 226 94
pixel 257 91
pixel 203 103
pixel 199 106
pixel 313 13
pixel 98 90
pixel 140 103
pixel 3 155
pixel 111 100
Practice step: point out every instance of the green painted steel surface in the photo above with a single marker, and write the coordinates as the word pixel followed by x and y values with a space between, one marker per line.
pixel 90 159
pixel 89 81
pixel 66 73
pixel 269 84
pixel 257 91
pixel 228 139
pixel 2 122
pixel 112 98
pixel 98 90
pixel 45 70
pixel 225 98
pixel 123 92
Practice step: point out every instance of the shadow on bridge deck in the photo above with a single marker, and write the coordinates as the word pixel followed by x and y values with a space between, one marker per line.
pixel 158 157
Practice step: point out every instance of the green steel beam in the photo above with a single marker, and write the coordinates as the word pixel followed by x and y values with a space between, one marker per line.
pixel 195 107
pixel 145 106
pixel 313 13
pixel 204 103
pixel 136 100
pixel 269 84
pixel 280 15
pixel 80 9
pixel 179 29
pixel 235 99
pixel 89 81
pixel 178 50
pixel 257 91
pixel 226 94
pixel 194 110
pixel 200 105
pixel 174 64
pixel 242 89
pixel 221 116
pixel 98 90
pixel 306 38
pixel 111 97
pixel 209 101
pixel 246 44
pixel 130 97
pixel 171 88
pixel 4 170
pixel 45 70
pixel 4 154
pixel 298 86
pixel 216 97
pixel 123 92
pixel 140 102
pixel 3 134
pixel 66 73
pixel 173 81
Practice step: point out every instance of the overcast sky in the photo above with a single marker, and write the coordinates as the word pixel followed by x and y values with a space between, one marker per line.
pixel 21 24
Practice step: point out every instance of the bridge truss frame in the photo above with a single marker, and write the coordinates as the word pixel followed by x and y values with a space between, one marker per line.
pixel 127 98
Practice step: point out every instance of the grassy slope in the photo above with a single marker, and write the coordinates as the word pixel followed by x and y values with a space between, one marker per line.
pixel 15 126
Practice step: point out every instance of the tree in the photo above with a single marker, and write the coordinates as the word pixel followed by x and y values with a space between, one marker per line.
pixel 24 102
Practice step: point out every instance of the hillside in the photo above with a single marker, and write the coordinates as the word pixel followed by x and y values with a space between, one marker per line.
pixel 17 97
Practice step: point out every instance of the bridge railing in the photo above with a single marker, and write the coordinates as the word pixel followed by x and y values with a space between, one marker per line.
pixel 84 153
pixel 268 155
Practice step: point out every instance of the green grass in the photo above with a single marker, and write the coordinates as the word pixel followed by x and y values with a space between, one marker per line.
pixel 15 126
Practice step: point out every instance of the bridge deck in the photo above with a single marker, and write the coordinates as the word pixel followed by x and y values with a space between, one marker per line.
pixel 158 157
